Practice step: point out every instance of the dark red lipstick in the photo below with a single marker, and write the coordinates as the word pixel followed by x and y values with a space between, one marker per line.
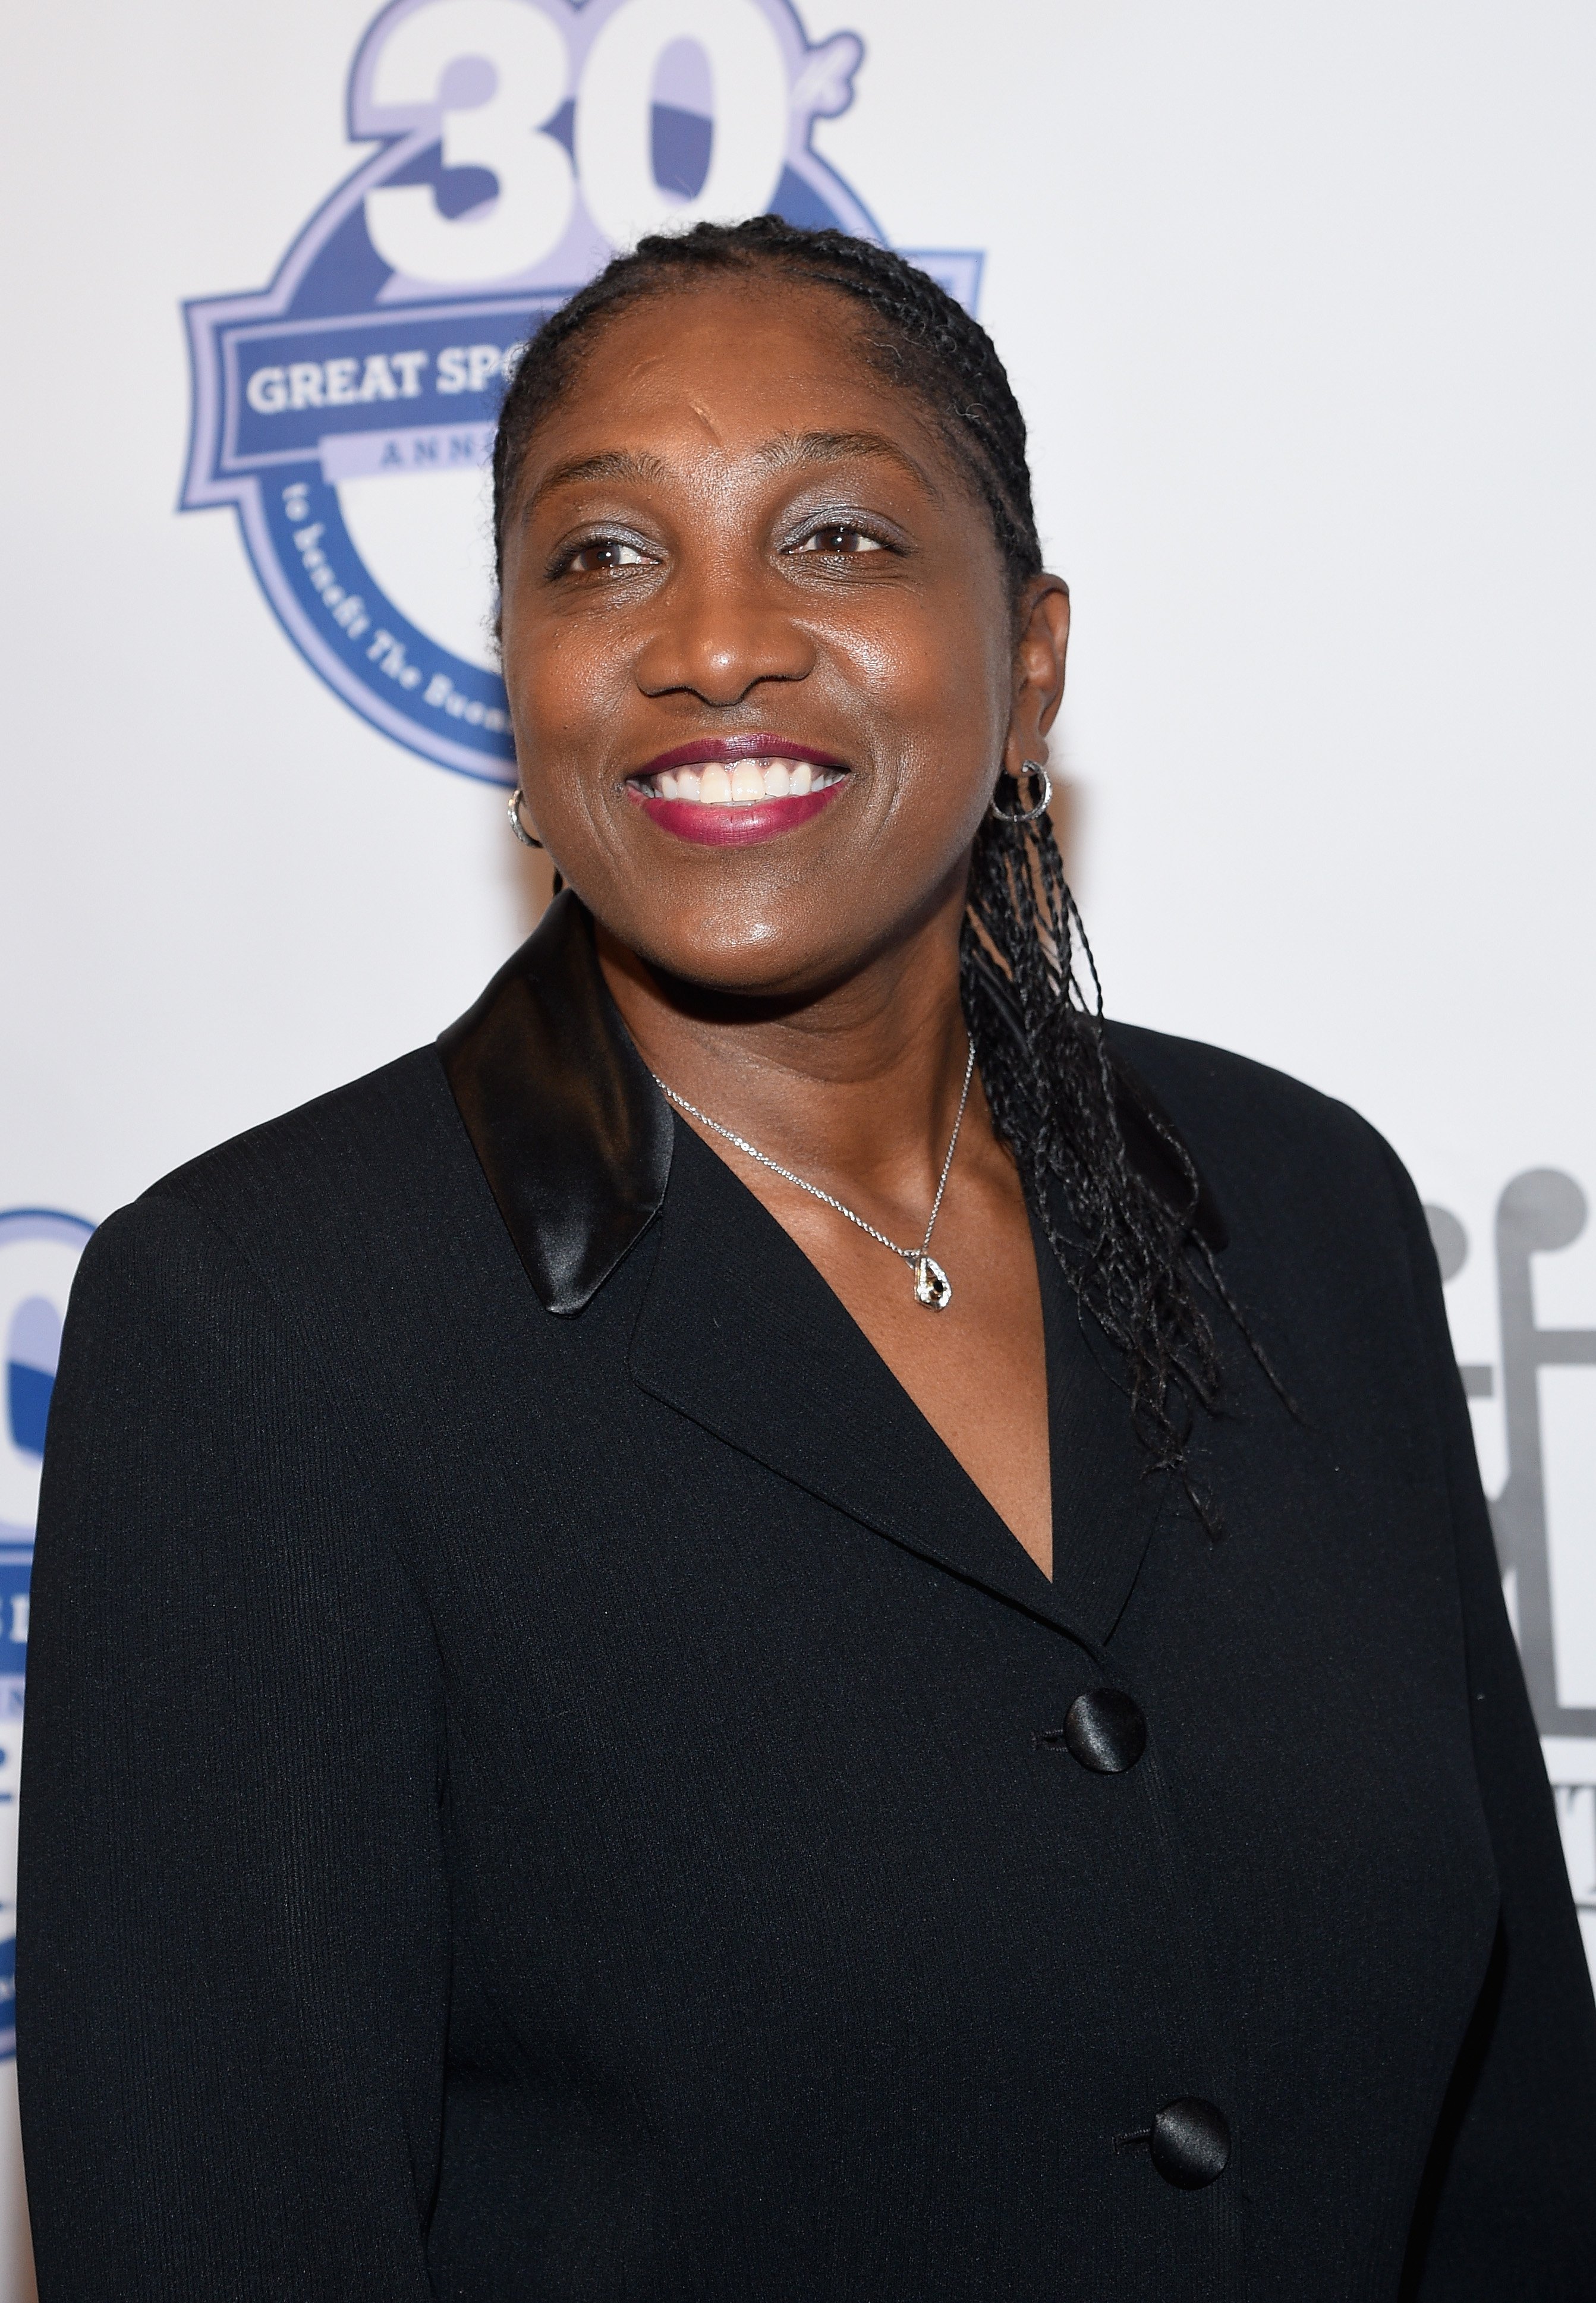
pixel 731 791
pixel 728 749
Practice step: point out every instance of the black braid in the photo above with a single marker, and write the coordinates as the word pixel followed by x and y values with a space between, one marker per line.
pixel 1133 1256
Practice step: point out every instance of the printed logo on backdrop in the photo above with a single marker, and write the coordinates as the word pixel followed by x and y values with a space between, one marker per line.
pixel 1544 1515
pixel 347 412
pixel 38 1253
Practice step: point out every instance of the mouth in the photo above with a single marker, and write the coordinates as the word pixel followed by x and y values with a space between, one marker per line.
pixel 731 791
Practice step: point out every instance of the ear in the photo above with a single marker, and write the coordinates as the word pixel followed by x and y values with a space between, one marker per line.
pixel 1039 654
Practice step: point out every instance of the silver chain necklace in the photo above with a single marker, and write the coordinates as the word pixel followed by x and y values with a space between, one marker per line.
pixel 932 1286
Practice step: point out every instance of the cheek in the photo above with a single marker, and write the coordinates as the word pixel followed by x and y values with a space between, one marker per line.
pixel 564 691
pixel 936 683
pixel 551 715
pixel 919 655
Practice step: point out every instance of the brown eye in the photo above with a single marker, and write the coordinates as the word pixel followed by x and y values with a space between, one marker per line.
pixel 839 540
pixel 599 559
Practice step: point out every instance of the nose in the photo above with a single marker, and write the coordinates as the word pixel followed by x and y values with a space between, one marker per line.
pixel 720 635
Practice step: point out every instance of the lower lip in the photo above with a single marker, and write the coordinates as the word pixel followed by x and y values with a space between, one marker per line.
pixel 712 823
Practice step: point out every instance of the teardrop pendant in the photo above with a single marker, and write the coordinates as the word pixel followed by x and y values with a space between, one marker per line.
pixel 932 1286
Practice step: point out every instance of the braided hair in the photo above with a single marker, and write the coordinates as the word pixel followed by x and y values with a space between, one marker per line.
pixel 1131 1247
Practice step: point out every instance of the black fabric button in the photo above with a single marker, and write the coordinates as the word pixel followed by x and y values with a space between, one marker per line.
pixel 1190 2143
pixel 1105 1731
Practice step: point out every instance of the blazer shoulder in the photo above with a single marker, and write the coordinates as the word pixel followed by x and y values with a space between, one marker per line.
pixel 1259 1135
pixel 353 1161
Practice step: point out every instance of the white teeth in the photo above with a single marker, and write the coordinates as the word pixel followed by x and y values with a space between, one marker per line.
pixel 746 783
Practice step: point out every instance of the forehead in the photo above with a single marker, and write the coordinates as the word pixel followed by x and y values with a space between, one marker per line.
pixel 718 370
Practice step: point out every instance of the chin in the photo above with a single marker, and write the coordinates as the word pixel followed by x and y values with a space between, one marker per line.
pixel 738 954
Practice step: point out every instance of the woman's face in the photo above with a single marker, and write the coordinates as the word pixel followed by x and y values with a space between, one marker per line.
pixel 761 655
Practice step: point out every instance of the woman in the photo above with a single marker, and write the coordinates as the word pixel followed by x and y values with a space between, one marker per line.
pixel 799 1626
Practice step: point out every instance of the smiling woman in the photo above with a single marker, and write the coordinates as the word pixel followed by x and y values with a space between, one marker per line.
pixel 672 1758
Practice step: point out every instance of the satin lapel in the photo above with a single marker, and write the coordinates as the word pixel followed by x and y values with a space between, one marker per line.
pixel 1106 1499
pixel 573 1133
pixel 738 1331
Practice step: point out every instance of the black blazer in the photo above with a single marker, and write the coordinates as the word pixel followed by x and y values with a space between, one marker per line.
pixel 546 1781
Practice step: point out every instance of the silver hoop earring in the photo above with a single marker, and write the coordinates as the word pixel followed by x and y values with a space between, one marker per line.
pixel 1033 773
pixel 516 825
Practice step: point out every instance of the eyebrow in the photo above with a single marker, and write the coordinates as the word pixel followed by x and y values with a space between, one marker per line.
pixel 787 451
pixel 791 450
pixel 608 464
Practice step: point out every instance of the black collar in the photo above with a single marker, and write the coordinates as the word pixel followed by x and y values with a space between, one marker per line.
pixel 574 1138
pixel 573 1135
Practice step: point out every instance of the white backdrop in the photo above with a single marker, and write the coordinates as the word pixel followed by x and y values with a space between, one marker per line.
pixel 1299 300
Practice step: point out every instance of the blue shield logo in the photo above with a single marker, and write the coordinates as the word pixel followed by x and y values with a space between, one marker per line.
pixel 347 412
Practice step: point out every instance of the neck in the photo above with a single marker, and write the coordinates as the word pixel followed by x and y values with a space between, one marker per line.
pixel 857 1081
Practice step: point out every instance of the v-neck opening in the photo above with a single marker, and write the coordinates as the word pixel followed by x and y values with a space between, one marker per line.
pixel 806 1392
pixel 976 1490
